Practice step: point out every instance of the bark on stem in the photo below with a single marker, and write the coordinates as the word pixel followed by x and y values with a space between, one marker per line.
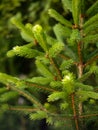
pixel 74 112
pixel 80 73
pixel 80 65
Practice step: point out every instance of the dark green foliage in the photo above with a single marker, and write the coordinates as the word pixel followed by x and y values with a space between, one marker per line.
pixel 93 9
pixel 65 64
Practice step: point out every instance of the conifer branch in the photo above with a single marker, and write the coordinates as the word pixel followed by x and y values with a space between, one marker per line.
pixel 28 96
pixel 88 115
pixel 64 117
pixel 93 9
pixel 23 108
pixel 91 61
pixel 42 68
pixel 58 81
pixel 66 58
pixel 92 20
pixel 40 37
pixel 56 68
pixel 53 13
pixel 40 87
pixel 84 77
pixel 67 4
pixel 63 56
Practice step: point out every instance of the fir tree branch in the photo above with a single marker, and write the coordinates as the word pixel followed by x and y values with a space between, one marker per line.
pixel 91 61
pixel 92 20
pixel 63 56
pixel 23 108
pixel 40 87
pixel 67 4
pixel 44 70
pixel 84 77
pixel 28 96
pixel 40 37
pixel 67 58
pixel 53 13
pixel 64 117
pixel 88 115
pixel 55 67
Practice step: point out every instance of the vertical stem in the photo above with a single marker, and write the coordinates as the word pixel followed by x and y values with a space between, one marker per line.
pixel 80 65
pixel 80 106
pixel 80 73
pixel 80 69
pixel 74 112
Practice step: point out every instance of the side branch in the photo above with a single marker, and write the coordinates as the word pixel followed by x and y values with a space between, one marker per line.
pixel 56 68
pixel 28 96
pixel 91 61
pixel 18 108
pixel 40 87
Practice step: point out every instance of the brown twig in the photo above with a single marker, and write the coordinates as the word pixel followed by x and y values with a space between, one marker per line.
pixel 79 52
pixel 22 109
pixel 89 115
pixel 80 72
pixel 67 58
pixel 74 112
pixel 24 93
pixel 40 87
pixel 56 68
pixel 63 56
pixel 91 61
